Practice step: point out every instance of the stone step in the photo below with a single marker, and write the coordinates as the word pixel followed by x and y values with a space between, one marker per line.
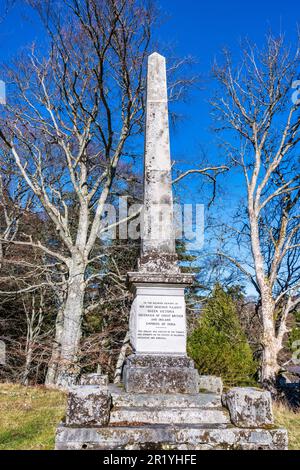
pixel 127 400
pixel 189 437
pixel 169 415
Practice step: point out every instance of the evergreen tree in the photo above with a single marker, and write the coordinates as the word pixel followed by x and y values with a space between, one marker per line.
pixel 218 344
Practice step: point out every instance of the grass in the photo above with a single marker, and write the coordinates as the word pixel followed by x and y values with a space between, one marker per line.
pixel 286 418
pixel 29 416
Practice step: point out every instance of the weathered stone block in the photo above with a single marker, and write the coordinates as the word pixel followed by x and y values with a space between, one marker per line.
pixel 169 415
pixel 159 361
pixel 94 379
pixel 211 384
pixel 174 380
pixel 249 407
pixel 120 398
pixel 88 405
pixel 160 374
pixel 190 437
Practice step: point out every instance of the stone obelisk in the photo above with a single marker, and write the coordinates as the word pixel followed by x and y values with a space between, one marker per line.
pixel 158 313
pixel 158 240
pixel 160 408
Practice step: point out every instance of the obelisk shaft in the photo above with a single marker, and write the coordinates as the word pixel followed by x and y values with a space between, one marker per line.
pixel 158 313
pixel 158 240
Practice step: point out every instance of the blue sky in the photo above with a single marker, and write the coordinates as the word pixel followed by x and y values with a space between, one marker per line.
pixel 200 29
pixel 193 27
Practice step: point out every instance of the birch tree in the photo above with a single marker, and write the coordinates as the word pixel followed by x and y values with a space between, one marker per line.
pixel 15 202
pixel 259 121
pixel 71 113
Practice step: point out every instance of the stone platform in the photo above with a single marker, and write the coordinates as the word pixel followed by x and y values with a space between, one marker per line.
pixel 112 419
pixel 175 437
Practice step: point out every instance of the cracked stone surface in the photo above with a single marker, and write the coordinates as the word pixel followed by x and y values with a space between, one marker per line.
pixel 190 437
pixel 249 407
pixel 160 374
pixel 130 421
pixel 169 415
pixel 210 383
pixel 88 405
pixel 94 379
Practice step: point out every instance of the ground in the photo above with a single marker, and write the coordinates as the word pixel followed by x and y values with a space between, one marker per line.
pixel 286 418
pixel 29 416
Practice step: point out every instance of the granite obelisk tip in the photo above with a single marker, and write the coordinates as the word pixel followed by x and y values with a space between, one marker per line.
pixel 158 241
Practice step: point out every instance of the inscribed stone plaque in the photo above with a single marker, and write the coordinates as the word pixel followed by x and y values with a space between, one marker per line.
pixel 160 324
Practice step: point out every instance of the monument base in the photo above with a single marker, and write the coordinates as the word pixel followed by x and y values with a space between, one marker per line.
pixel 137 421
pixel 171 437
pixel 160 374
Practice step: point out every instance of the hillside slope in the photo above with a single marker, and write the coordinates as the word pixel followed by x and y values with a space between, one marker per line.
pixel 29 416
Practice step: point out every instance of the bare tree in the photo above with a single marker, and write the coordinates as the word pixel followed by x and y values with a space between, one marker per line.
pixel 34 320
pixel 15 201
pixel 27 311
pixel 71 115
pixel 256 112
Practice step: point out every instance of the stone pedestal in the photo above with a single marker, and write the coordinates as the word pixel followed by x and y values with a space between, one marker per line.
pixel 160 374
pixel 137 421
pixel 158 335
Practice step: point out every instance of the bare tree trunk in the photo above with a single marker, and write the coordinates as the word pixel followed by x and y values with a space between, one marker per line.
pixel 121 359
pixel 72 318
pixel 56 350
pixel 269 363
pixel 34 320
pixel 27 363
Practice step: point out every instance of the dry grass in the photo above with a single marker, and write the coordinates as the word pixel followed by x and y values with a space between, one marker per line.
pixel 286 418
pixel 29 416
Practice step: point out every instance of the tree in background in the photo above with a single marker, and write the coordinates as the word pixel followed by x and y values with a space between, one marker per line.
pixel 261 128
pixel 66 127
pixel 30 284
pixel 218 344
pixel 193 294
pixel 75 108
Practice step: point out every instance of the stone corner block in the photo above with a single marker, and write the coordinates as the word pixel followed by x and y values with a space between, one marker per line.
pixel 211 384
pixel 94 379
pixel 249 407
pixel 88 405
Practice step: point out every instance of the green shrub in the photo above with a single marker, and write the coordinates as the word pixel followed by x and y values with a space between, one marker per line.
pixel 218 344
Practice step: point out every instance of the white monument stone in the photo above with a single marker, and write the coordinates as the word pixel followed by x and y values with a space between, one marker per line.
pixel 158 321
pixel 158 313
